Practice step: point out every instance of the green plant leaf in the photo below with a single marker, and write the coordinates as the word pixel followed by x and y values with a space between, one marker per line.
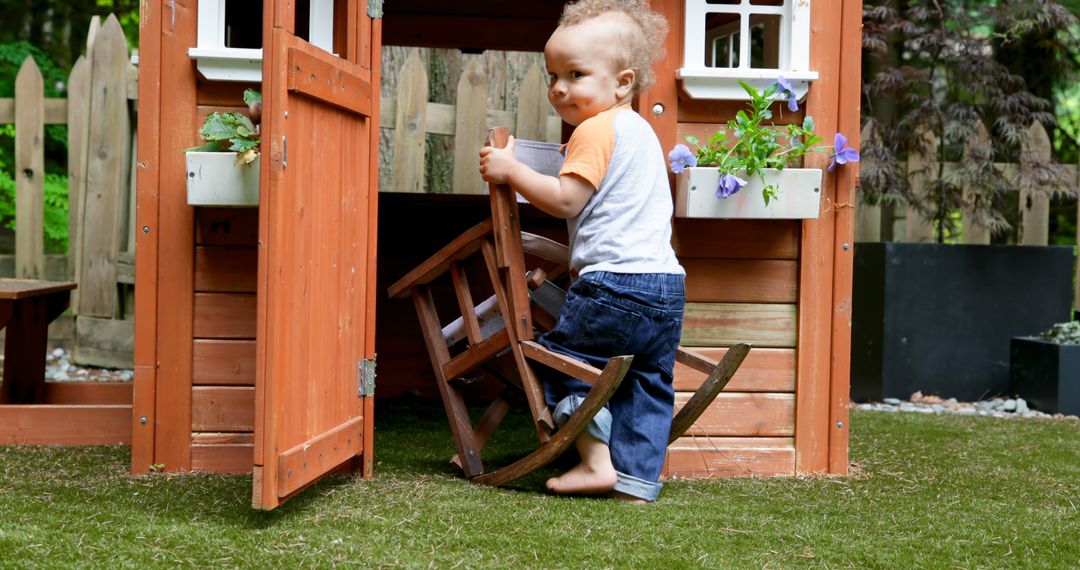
pixel 252 96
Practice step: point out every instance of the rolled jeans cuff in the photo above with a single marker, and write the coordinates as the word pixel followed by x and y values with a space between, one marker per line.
pixel 640 488
pixel 599 426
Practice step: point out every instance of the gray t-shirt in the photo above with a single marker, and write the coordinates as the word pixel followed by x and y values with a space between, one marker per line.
pixel 626 225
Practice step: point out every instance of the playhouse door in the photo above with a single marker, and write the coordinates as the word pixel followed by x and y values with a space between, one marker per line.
pixel 317 228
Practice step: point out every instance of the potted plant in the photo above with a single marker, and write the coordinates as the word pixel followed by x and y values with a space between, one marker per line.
pixel 1045 370
pixel 743 171
pixel 937 317
pixel 224 170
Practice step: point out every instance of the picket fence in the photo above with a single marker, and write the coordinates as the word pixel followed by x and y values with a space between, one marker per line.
pixel 99 114
pixel 411 117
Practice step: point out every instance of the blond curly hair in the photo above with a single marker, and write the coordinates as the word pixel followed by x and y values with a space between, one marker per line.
pixel 643 42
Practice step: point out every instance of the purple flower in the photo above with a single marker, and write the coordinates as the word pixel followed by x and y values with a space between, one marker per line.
pixel 681 157
pixel 729 184
pixel 789 91
pixel 841 153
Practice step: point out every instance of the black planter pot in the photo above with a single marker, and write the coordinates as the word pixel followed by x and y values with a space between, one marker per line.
pixel 939 318
pixel 1046 374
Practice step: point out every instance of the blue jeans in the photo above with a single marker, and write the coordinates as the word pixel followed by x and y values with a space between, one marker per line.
pixel 611 314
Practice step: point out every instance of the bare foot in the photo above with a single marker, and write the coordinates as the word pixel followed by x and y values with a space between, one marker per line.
pixel 583 479
pixel 595 475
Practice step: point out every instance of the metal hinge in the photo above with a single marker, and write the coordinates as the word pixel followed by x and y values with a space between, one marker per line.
pixel 365 377
pixel 374 8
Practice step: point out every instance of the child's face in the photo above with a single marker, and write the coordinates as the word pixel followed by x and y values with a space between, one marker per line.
pixel 583 79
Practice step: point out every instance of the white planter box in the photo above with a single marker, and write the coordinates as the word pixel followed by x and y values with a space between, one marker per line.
pixel 215 179
pixel 798 195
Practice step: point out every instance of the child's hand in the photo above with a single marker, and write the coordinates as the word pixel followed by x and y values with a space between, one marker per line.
pixel 496 163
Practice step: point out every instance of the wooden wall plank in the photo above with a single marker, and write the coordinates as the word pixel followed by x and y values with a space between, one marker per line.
pixel 55 109
pixel 764 370
pixel 65 425
pixel 736 239
pixel 744 414
pixel 88 393
pixel 224 458
pixel 227 226
pixel 224 315
pixel 223 362
pixel 724 324
pixel 728 461
pixel 225 269
pixel 741 280
pixel 222 408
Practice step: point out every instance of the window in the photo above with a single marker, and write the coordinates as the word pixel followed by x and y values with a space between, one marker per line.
pixel 727 41
pixel 229 44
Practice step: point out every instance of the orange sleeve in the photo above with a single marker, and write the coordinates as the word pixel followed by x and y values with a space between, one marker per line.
pixel 589 149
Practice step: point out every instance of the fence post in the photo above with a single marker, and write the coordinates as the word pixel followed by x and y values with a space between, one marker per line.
pixel 867 217
pixel 410 125
pixel 973 233
pixel 470 128
pixel 922 171
pixel 78 128
pixel 532 106
pixel 29 172
pixel 103 201
pixel 1035 207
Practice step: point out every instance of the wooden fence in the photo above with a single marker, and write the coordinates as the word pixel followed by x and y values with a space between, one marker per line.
pixel 875 223
pixel 98 112
pixel 408 117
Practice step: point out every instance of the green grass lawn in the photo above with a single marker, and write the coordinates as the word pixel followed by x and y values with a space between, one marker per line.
pixel 925 491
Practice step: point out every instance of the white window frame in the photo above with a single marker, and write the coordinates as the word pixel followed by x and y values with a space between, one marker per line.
pixel 702 82
pixel 216 62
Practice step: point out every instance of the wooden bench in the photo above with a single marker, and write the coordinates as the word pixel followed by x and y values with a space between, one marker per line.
pixel 27 306
pixel 33 412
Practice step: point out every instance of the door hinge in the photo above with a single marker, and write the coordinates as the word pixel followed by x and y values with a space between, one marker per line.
pixel 374 8
pixel 365 377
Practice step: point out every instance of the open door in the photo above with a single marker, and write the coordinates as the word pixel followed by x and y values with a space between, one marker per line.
pixel 317 229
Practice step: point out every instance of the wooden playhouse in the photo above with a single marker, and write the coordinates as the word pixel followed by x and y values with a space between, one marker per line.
pixel 257 328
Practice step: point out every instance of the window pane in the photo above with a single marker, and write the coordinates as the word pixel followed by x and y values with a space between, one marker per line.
pixel 243 24
pixel 722 40
pixel 765 41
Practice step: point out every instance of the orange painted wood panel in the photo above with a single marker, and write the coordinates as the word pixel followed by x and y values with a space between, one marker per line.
pixel 725 324
pixel 225 269
pixel 743 414
pixel 308 461
pixel 175 125
pixel 224 315
pixel 741 280
pixel 222 408
pixel 764 370
pixel 736 239
pixel 848 120
pixel 88 393
pixel 227 226
pixel 222 93
pixel 817 251
pixel 223 458
pixel 693 458
pixel 223 362
pixel 32 424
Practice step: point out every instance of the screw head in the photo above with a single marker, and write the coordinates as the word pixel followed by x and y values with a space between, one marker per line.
pixel 143 420
pixel 839 425
pixel 146 229
pixel 658 109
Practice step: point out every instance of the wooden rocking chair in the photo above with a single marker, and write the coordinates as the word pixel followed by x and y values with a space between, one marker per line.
pixel 505 321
